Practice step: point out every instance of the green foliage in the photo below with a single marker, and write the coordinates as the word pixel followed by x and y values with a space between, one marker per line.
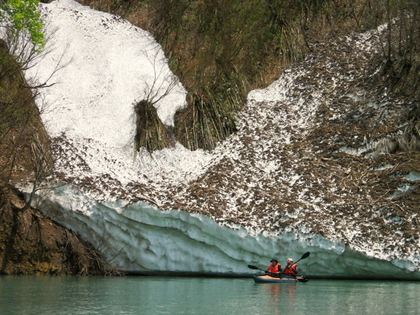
pixel 150 132
pixel 23 16
pixel 207 120
pixel 221 50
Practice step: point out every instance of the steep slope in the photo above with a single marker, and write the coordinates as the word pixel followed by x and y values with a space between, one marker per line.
pixel 311 157
pixel 31 243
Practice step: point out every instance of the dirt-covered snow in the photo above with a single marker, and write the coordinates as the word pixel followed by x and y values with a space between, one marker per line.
pixel 306 157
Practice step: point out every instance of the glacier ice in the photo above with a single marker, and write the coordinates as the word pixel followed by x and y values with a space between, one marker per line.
pixel 138 238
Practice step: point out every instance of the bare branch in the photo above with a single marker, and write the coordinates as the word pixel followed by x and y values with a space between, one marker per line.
pixel 163 81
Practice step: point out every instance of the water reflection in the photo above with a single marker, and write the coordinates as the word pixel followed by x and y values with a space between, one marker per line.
pixel 153 295
pixel 282 296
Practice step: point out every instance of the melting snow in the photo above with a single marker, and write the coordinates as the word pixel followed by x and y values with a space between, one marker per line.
pixel 269 189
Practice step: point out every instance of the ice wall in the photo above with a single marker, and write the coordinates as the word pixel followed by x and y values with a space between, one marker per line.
pixel 139 238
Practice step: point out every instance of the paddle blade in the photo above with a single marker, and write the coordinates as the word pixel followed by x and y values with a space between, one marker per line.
pixel 306 255
pixel 253 267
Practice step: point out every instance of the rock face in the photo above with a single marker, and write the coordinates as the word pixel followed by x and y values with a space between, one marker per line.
pixel 30 243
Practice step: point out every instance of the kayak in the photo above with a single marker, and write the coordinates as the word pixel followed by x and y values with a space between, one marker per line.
pixel 285 279
pixel 269 279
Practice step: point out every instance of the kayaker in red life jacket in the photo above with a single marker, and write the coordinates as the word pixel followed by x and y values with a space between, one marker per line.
pixel 291 268
pixel 274 269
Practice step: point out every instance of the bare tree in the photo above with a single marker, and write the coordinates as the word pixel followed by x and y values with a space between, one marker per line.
pixel 163 81
pixel 151 133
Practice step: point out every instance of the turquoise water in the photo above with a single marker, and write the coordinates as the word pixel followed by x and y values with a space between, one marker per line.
pixel 165 295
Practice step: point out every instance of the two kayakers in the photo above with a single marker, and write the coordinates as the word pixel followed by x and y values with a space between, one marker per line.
pixel 274 269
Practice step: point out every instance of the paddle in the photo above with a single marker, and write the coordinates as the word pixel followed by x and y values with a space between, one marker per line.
pixel 255 267
pixel 302 279
pixel 306 255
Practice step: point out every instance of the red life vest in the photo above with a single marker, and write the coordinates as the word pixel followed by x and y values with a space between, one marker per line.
pixel 290 269
pixel 274 269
